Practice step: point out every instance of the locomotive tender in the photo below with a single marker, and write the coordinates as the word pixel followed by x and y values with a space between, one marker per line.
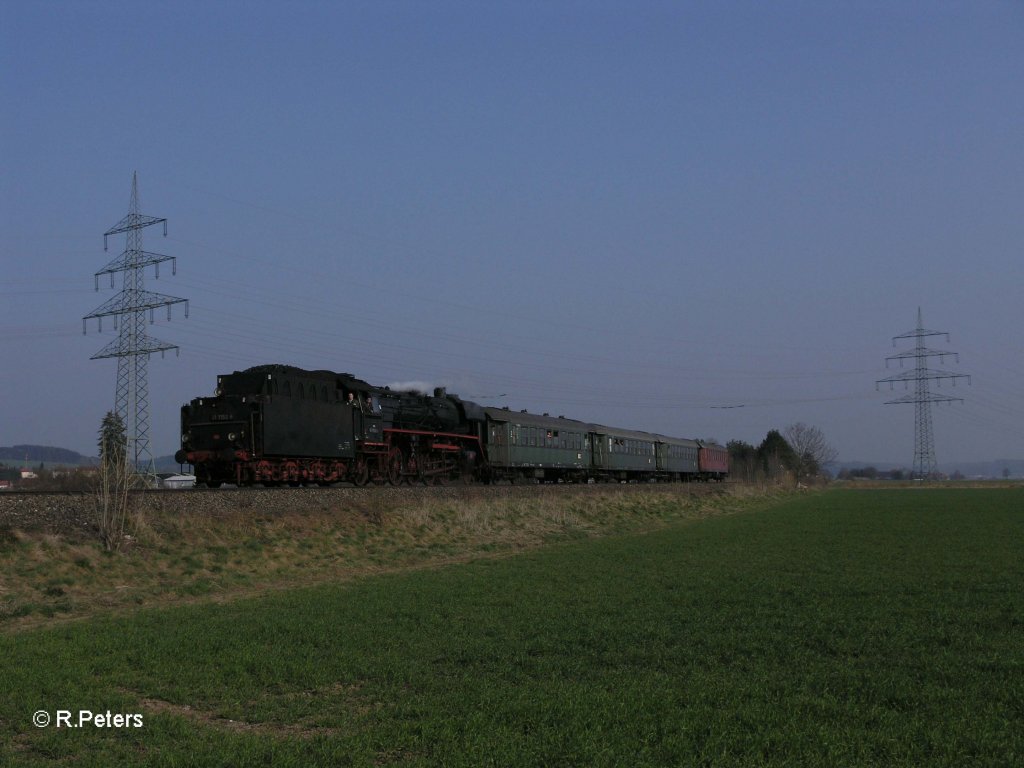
pixel 276 424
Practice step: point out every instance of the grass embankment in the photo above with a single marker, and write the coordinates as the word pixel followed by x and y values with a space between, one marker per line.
pixel 849 628
pixel 188 554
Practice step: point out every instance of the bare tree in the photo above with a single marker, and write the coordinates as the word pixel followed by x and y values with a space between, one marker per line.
pixel 812 451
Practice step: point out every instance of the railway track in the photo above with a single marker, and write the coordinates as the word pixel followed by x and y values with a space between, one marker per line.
pixel 498 489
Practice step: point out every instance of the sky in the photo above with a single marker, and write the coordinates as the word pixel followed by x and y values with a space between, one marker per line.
pixel 704 219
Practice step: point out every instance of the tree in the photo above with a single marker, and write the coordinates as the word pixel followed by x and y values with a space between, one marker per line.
pixel 775 455
pixel 115 480
pixel 810 449
pixel 742 460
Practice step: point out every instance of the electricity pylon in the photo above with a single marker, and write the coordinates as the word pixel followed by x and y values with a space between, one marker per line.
pixel 922 397
pixel 133 345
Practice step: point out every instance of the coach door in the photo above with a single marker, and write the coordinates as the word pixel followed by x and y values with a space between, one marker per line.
pixel 600 446
pixel 498 442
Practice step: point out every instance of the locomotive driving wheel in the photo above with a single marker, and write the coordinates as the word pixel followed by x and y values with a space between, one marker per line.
pixel 414 469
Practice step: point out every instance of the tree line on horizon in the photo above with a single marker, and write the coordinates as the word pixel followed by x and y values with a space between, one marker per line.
pixel 800 451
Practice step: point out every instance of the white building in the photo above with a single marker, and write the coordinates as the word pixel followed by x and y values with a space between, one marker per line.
pixel 178 481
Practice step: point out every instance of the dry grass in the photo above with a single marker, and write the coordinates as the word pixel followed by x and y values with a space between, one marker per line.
pixel 172 556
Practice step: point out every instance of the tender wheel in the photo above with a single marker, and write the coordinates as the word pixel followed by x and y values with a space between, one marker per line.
pixel 361 473
pixel 394 467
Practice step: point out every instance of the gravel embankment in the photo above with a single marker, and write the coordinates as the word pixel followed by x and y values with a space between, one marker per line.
pixel 73 514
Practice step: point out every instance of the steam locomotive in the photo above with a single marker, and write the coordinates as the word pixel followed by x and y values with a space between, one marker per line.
pixel 276 424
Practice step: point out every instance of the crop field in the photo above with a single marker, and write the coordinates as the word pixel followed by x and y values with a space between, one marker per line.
pixel 851 627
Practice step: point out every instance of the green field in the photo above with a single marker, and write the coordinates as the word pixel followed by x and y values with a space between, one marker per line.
pixel 845 628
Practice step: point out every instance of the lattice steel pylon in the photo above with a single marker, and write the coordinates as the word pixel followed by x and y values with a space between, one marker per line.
pixel 133 345
pixel 922 396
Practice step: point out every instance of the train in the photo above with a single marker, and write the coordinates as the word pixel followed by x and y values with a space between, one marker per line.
pixel 275 425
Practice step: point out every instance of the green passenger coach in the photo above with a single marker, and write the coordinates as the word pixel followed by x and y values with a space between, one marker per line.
pixel 677 457
pixel 624 454
pixel 530 447
pixel 527 447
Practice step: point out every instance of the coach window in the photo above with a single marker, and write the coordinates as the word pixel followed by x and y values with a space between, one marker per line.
pixel 288 389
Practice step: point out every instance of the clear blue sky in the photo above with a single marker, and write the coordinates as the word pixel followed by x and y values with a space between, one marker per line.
pixel 625 212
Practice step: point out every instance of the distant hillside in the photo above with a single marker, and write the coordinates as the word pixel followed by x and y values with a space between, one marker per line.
pixel 167 464
pixel 46 454
pixel 49 456
pixel 993 468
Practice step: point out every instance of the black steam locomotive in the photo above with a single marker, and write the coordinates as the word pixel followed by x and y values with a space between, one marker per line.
pixel 275 424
